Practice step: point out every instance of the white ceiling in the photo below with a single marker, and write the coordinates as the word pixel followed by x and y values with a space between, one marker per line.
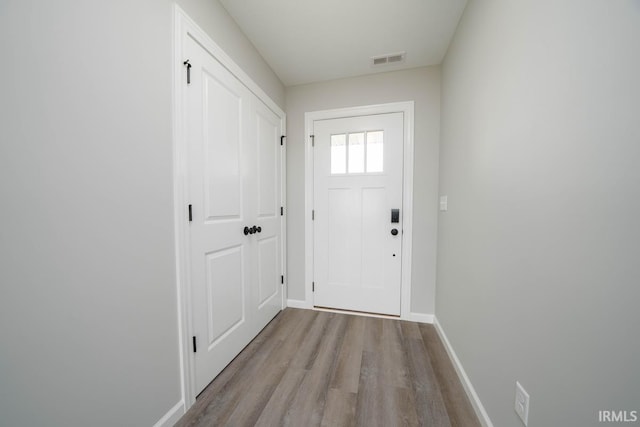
pixel 313 40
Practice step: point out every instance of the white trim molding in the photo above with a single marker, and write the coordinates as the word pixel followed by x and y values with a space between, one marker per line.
pixel 283 217
pixel 185 28
pixel 420 318
pixel 407 109
pixel 464 379
pixel 172 416
pixel 296 303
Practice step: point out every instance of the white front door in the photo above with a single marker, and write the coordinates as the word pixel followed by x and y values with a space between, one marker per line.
pixel 233 182
pixel 358 172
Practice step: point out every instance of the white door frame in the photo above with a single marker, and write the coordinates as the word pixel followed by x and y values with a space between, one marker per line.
pixel 185 27
pixel 407 190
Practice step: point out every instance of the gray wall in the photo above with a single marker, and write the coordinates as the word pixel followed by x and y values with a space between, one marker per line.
pixel 212 17
pixel 421 85
pixel 538 268
pixel 88 319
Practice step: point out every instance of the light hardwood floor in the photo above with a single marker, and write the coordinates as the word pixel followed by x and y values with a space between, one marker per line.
pixel 312 368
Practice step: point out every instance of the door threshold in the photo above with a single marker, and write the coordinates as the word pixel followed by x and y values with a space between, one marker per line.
pixel 356 313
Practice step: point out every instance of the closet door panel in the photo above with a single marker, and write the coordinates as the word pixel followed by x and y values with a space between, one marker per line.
pixel 221 189
pixel 268 284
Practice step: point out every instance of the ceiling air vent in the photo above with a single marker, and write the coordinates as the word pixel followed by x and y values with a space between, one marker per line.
pixel 380 61
pixel 392 58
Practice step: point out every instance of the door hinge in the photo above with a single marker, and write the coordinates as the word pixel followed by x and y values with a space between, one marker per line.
pixel 281 210
pixel 186 64
pixel 195 349
pixel 282 280
pixel 190 213
pixel 313 286
pixel 281 138
pixel 313 140
pixel 313 214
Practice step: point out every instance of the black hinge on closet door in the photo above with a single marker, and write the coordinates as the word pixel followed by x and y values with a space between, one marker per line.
pixel 281 138
pixel 194 345
pixel 186 64
pixel 190 213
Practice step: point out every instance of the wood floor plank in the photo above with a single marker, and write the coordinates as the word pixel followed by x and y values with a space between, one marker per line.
pixel 428 399
pixel 297 319
pixel 410 330
pixel 380 404
pixel 429 403
pixel 271 372
pixel 394 367
pixel 276 411
pixel 346 376
pixel 405 403
pixel 373 334
pixel 311 368
pixel 457 403
pixel 370 395
pixel 308 405
pixel 250 408
pixel 340 409
pixel 305 355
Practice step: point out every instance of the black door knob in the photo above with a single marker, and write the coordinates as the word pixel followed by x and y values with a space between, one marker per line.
pixel 394 231
pixel 251 230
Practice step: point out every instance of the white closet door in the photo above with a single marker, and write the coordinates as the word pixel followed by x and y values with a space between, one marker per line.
pixel 234 185
pixel 267 289
pixel 232 274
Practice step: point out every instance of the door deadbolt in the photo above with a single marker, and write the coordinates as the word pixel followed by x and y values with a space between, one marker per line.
pixel 395 215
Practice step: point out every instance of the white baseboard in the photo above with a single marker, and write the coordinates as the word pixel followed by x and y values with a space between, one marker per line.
pixel 171 418
pixel 297 303
pixel 420 318
pixel 466 382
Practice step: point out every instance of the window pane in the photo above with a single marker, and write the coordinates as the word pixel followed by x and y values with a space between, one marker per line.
pixel 356 152
pixel 338 154
pixel 375 151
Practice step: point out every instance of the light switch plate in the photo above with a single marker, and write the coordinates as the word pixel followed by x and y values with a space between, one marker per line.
pixel 522 403
pixel 444 203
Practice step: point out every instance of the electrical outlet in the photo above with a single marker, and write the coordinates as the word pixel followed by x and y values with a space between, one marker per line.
pixel 522 403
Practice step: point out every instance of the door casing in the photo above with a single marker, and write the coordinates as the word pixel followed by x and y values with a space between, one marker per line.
pixel 407 108
pixel 185 27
